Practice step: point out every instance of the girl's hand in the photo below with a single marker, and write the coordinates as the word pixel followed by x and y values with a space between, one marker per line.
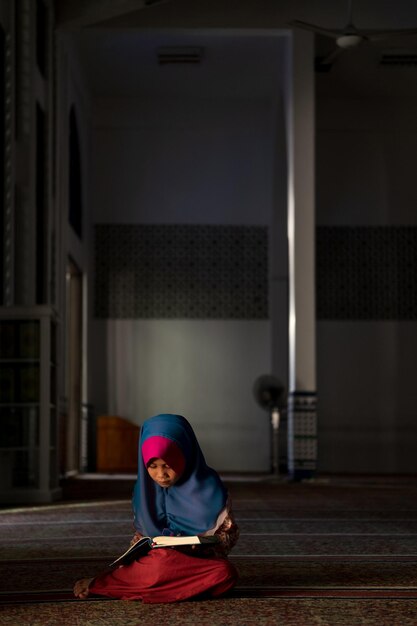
pixel 136 538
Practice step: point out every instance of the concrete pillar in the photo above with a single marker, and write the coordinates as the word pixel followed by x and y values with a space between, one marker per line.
pixel 302 417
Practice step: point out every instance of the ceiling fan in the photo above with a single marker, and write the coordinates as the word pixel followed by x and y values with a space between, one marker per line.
pixel 348 37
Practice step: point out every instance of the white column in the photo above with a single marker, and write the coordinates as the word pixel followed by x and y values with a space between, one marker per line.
pixel 302 420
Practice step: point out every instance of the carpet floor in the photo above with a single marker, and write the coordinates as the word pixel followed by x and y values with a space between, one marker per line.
pixel 330 552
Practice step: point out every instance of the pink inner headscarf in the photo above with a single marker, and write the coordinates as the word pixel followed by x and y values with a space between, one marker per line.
pixel 163 448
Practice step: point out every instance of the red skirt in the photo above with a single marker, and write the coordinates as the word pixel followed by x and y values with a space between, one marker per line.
pixel 167 575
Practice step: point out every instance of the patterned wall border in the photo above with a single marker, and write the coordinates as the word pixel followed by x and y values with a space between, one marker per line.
pixel 181 271
pixel 367 273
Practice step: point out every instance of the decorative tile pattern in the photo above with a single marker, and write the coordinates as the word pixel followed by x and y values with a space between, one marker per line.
pixel 181 271
pixel 367 273
pixel 302 434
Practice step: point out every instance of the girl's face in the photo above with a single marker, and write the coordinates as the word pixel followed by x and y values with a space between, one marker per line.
pixel 162 473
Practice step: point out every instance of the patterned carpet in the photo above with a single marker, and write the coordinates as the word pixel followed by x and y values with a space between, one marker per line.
pixel 335 552
pixel 229 612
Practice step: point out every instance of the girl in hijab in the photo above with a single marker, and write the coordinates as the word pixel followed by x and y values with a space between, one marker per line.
pixel 176 493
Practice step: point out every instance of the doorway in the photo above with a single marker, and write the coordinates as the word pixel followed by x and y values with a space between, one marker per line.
pixel 73 369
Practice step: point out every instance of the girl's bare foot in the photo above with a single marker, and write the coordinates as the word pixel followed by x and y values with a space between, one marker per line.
pixel 81 588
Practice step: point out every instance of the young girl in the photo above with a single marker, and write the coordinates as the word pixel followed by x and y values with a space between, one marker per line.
pixel 176 493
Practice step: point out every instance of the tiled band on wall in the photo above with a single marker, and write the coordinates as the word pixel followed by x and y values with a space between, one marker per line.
pixel 181 271
pixel 302 434
pixel 367 273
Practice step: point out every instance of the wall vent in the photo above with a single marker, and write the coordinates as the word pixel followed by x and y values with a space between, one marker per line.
pixel 179 54
pixel 149 3
pixel 398 58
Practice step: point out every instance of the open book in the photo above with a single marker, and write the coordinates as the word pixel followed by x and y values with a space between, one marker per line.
pixel 142 546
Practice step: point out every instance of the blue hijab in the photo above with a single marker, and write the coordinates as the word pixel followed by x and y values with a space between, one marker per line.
pixel 192 505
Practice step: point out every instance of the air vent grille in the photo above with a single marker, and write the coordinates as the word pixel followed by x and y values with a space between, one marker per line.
pixel 399 58
pixel 179 54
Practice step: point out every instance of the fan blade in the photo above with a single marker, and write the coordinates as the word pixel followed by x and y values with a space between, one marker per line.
pixel 324 64
pixel 330 58
pixel 316 29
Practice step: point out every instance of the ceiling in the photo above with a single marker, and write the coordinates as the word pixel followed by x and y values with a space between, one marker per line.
pixel 359 73
pixel 119 54
pixel 126 64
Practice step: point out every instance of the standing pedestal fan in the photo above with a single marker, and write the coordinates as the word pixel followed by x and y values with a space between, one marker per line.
pixel 269 393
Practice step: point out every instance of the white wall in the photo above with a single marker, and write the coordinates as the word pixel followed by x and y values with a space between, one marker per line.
pixel 186 161
pixel 182 161
pixel 366 153
pixel 201 369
